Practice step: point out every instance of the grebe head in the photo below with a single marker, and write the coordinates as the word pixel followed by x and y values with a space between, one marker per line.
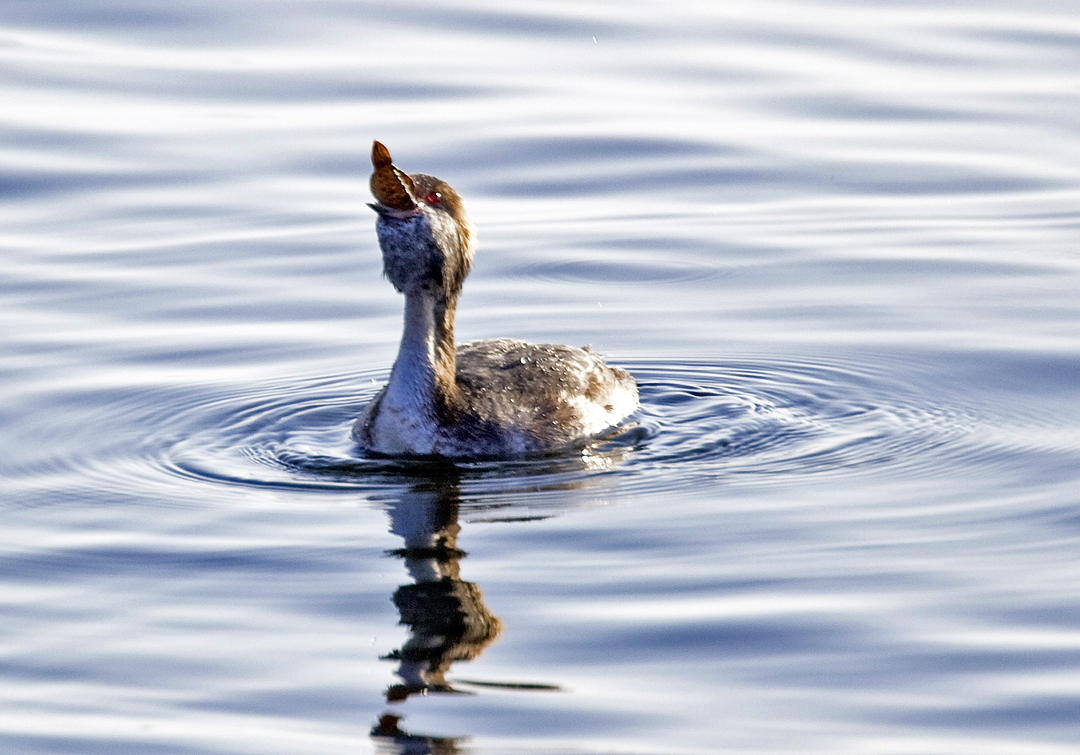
pixel 424 232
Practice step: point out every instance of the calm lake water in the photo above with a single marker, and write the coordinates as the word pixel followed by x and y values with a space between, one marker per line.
pixel 838 244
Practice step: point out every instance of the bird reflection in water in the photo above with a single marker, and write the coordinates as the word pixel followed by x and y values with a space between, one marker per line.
pixel 447 618
pixel 392 740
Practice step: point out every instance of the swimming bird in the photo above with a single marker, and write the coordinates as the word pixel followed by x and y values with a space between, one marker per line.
pixel 493 398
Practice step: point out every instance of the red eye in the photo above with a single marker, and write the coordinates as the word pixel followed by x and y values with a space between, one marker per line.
pixel 433 198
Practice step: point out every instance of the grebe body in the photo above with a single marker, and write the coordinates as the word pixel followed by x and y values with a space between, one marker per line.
pixel 493 398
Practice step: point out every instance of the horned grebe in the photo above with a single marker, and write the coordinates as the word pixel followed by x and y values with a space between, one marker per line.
pixel 499 397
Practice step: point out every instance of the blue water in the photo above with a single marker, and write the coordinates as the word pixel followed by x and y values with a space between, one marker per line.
pixel 838 244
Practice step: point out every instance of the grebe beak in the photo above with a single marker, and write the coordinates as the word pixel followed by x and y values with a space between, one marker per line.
pixel 392 212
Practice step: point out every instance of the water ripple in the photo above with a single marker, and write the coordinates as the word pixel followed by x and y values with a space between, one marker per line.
pixel 702 421
pixel 779 420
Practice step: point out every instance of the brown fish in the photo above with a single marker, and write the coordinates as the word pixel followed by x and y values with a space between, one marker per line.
pixel 390 186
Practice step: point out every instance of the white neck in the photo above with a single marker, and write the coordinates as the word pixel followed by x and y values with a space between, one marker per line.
pixel 412 380
pixel 407 417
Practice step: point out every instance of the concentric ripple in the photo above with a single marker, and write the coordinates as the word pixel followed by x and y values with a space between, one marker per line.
pixel 751 421
pixel 700 421
pixel 735 421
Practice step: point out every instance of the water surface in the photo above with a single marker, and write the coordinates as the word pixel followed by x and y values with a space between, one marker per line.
pixel 836 243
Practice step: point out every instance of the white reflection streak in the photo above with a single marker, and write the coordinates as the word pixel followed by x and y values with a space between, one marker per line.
pixel 696 609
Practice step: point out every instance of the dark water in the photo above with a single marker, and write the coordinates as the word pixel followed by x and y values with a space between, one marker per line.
pixel 837 244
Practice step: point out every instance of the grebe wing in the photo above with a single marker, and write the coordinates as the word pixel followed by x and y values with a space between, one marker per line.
pixel 517 382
